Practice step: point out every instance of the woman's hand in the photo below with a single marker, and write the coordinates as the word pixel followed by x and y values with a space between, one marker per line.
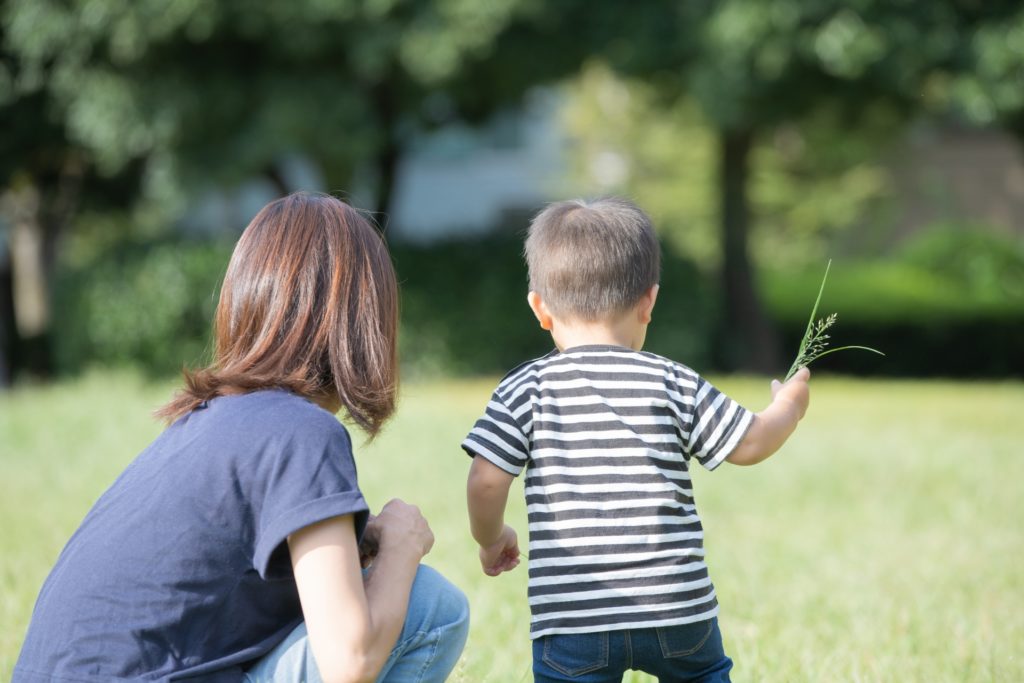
pixel 399 528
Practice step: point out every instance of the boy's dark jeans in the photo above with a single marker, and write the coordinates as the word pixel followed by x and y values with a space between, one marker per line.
pixel 691 652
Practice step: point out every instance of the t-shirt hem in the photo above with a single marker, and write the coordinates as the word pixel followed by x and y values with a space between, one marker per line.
pixel 474 448
pixel 648 623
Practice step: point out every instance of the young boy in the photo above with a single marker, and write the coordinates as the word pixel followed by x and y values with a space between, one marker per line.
pixel 606 434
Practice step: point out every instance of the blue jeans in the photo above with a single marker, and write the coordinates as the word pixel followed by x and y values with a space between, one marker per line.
pixel 432 639
pixel 690 652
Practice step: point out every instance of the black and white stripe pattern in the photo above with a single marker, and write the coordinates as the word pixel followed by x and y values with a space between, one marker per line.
pixel 606 435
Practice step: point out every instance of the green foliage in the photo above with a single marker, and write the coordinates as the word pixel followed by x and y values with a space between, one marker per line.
pixel 987 266
pixel 144 304
pixel 952 303
pixel 221 91
pixel 464 309
pixel 150 304
pixel 948 275
pixel 883 292
pixel 464 312
pixel 757 63
pixel 811 180
pixel 753 66
pixel 627 140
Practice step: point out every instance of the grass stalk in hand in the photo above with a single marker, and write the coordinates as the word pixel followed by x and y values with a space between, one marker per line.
pixel 814 345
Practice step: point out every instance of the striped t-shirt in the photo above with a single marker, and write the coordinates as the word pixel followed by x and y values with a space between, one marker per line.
pixel 606 435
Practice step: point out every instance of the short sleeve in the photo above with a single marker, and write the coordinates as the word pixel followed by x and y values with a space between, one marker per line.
pixel 310 477
pixel 498 437
pixel 717 423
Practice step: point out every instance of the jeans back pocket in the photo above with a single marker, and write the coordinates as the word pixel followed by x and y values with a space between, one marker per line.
pixel 575 654
pixel 685 639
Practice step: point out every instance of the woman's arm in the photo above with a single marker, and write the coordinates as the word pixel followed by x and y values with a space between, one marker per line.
pixel 353 622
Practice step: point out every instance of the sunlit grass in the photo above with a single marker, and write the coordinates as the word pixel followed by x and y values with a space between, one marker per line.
pixel 884 543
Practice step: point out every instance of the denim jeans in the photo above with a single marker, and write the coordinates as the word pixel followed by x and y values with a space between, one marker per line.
pixel 432 639
pixel 690 652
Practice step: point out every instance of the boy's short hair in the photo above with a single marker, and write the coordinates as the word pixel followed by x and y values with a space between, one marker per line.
pixel 592 259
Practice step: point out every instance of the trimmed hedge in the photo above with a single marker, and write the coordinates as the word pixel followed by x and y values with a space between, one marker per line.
pixel 148 305
pixel 464 309
pixel 949 306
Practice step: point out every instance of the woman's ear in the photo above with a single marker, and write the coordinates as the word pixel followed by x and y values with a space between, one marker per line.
pixel 540 310
pixel 646 304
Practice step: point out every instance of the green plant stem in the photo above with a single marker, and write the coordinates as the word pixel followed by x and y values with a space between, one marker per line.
pixel 801 359
pixel 810 326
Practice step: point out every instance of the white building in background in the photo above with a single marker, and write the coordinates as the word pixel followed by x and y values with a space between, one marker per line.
pixel 462 180
pixel 455 181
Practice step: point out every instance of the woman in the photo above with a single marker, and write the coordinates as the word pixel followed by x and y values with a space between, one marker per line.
pixel 233 548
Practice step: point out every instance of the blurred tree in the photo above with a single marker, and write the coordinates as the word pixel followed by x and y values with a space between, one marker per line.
pixel 183 94
pixel 812 179
pixel 179 93
pixel 41 174
pixel 753 65
pixel 218 91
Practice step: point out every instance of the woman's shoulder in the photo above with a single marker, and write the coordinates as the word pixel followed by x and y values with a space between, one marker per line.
pixel 276 411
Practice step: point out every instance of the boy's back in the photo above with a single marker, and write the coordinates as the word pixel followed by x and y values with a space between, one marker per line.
pixel 605 434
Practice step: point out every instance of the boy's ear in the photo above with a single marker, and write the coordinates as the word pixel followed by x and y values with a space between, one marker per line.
pixel 540 310
pixel 646 304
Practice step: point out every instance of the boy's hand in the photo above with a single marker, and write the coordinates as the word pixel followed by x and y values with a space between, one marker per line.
pixel 773 425
pixel 795 391
pixel 502 555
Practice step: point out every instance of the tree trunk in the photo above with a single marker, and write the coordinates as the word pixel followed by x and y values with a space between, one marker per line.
pixel 388 151
pixel 28 262
pixel 38 212
pixel 747 341
pixel 274 176
pixel 387 173
pixel 7 336
pixel 29 283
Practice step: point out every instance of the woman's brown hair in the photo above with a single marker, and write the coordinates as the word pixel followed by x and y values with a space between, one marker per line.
pixel 309 304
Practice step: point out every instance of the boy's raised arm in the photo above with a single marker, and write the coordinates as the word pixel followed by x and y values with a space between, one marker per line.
pixel 773 425
pixel 486 495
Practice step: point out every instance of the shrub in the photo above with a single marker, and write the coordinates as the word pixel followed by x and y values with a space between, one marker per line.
pixel 144 304
pixel 464 309
pixel 950 303
pixel 464 312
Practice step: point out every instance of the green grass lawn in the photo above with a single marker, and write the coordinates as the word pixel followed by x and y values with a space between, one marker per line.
pixel 884 543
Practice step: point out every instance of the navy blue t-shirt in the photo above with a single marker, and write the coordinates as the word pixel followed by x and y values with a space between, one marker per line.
pixel 181 569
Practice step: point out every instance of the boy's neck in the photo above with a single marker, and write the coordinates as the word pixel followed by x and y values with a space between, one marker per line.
pixel 627 329
pixel 625 332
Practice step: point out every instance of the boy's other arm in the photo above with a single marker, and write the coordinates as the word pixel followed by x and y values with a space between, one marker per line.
pixel 773 425
pixel 486 496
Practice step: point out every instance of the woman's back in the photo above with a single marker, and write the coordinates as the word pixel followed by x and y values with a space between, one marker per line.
pixel 174 570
